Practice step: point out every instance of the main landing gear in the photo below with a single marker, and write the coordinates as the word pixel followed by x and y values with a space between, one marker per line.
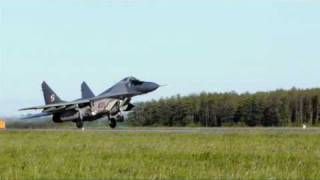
pixel 79 124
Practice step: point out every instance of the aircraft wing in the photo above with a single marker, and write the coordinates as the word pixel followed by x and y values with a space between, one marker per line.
pixel 58 106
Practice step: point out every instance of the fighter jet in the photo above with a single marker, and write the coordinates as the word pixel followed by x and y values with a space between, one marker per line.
pixel 110 103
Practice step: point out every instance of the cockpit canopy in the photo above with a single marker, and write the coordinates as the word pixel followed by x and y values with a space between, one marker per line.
pixel 134 81
pixel 129 87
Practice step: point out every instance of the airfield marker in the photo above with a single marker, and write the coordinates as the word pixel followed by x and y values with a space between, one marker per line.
pixel 2 124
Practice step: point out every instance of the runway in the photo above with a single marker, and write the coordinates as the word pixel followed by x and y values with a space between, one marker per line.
pixel 182 130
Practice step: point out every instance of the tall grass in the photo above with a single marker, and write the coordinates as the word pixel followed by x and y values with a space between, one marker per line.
pixel 101 155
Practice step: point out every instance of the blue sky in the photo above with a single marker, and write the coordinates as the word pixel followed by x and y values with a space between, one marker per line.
pixel 192 46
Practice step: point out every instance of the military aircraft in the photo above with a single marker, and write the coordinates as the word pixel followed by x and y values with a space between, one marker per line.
pixel 110 103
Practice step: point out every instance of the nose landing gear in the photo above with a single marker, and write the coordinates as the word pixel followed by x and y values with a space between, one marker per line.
pixel 114 119
pixel 112 123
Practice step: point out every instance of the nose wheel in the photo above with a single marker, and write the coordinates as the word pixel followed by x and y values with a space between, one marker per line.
pixel 112 123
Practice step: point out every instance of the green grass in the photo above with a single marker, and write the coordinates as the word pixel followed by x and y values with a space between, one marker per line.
pixel 107 155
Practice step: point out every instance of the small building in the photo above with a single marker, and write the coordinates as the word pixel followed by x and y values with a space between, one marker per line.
pixel 2 124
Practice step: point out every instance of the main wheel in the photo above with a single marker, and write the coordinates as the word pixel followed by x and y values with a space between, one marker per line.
pixel 112 123
pixel 79 124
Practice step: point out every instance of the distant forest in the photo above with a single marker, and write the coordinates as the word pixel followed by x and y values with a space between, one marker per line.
pixel 276 108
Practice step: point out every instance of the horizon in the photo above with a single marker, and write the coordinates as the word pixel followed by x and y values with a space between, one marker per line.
pixel 192 46
pixel 182 96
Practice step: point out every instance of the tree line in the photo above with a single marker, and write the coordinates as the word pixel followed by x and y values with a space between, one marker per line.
pixel 292 107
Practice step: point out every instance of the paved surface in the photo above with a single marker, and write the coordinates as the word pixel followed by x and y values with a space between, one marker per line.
pixel 186 130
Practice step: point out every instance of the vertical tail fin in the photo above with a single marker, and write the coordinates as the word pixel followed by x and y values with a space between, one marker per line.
pixel 86 92
pixel 50 97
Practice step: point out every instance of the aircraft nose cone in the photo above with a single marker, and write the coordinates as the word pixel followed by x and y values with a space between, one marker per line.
pixel 150 86
pixel 147 87
pixel 153 86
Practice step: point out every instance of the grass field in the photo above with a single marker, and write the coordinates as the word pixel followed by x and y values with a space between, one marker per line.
pixel 111 155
